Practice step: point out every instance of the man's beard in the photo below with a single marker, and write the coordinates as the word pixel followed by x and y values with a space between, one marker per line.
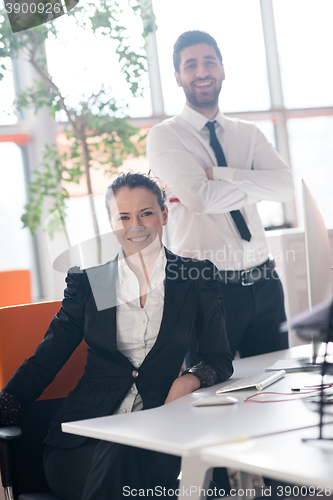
pixel 209 101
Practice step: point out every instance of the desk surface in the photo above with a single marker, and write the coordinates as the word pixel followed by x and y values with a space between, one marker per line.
pixel 181 429
pixel 284 457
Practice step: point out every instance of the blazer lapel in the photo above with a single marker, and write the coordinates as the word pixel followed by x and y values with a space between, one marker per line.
pixel 102 281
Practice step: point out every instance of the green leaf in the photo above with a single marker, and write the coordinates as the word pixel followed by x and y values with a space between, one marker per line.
pixel 99 121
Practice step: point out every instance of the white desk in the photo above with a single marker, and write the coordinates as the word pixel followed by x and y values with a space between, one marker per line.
pixel 181 429
pixel 283 457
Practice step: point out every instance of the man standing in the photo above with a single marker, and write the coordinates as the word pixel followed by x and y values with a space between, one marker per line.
pixel 217 169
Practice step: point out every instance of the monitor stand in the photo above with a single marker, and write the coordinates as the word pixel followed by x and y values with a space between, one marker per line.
pixel 314 360
pixel 317 359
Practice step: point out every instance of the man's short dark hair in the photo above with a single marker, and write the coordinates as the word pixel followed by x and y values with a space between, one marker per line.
pixel 190 38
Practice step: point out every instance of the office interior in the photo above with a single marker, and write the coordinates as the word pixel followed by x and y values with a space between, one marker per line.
pixel 276 56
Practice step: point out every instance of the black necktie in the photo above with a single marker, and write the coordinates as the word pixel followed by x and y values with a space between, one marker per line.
pixel 221 161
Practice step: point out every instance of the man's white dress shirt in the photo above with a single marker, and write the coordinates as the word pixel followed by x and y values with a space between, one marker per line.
pixel 179 153
pixel 138 327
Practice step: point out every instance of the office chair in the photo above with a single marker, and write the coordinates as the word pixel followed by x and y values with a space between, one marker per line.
pixel 15 287
pixel 21 448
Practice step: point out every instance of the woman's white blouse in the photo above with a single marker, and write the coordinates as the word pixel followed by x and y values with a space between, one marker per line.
pixel 138 327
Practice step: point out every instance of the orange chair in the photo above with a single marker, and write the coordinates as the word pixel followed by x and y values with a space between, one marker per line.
pixel 22 328
pixel 15 287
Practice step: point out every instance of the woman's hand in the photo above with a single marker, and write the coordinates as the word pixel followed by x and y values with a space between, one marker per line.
pixel 182 386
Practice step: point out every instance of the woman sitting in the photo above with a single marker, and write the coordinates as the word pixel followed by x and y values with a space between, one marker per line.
pixel 137 314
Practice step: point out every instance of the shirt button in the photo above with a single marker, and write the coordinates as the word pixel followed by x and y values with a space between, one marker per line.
pixel 124 410
pixel 135 373
pixel 132 388
pixel 142 321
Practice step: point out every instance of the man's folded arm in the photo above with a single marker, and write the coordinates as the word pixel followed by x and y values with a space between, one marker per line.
pixel 270 178
pixel 187 179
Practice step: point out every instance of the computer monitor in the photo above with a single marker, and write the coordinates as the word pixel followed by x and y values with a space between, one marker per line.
pixel 318 256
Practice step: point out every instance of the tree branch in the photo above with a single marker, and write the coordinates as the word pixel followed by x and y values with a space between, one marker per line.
pixel 54 87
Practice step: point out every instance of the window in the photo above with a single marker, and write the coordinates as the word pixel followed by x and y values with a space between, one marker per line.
pixel 311 149
pixel 82 64
pixel 7 96
pixel 271 212
pixel 305 41
pixel 15 252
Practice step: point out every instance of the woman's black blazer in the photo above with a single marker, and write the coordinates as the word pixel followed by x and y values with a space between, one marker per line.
pixel 193 307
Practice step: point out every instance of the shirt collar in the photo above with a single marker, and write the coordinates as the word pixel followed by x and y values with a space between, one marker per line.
pixel 159 267
pixel 197 120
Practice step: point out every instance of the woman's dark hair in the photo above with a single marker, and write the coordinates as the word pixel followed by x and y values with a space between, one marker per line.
pixel 133 180
pixel 190 38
